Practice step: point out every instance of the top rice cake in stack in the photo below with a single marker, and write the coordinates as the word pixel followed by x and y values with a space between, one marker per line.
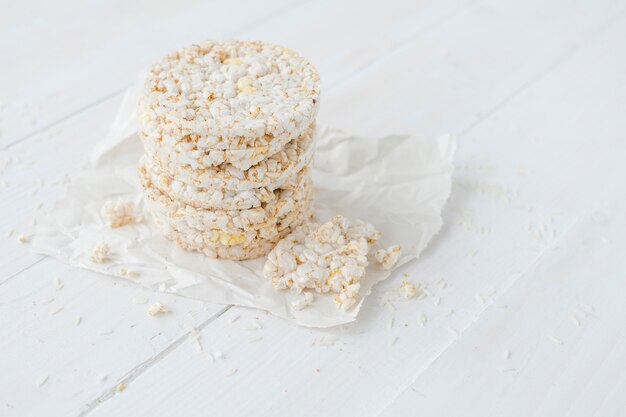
pixel 228 132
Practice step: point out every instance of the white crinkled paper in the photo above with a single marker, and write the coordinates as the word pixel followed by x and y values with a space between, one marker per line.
pixel 398 183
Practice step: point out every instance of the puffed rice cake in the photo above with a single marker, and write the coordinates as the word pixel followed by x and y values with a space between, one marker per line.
pixel 274 169
pixel 228 246
pixel 229 95
pixel 219 198
pixel 228 130
pixel 189 153
pixel 289 205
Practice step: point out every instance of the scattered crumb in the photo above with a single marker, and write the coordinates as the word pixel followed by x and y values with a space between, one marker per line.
pixel 303 302
pixel 422 319
pixel 56 310
pixel 107 332
pixel 437 301
pixel 234 318
pixel 390 306
pixel 407 290
pixel 441 283
pixel 57 284
pixel 218 355
pixel 451 312
pixel 574 320
pixel 323 341
pixel 77 320
pixel 317 370
pixel 120 387
pixel 453 332
pixel 390 323
pixel 22 238
pixel 194 338
pixel 256 326
pixel 587 308
pixel 393 340
pixel 42 380
pixel 126 273
pixel 156 309
pixel 556 340
pixel 507 354
pixel 232 372
pixel 388 258
pixel 100 253
pixel 479 298
pixel 46 301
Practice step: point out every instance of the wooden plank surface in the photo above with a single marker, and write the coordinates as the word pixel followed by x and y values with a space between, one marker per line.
pixel 535 88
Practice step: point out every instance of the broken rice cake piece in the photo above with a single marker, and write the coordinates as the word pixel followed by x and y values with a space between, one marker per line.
pixel 331 257
pixel 118 213
pixel 388 258
pixel 100 253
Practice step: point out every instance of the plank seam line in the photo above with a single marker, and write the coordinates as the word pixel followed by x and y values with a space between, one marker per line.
pixel 15 274
pixel 140 369
pixel 568 53
pixel 121 90
pixel 489 307
pixel 378 58
pixel 67 117
pixel 402 44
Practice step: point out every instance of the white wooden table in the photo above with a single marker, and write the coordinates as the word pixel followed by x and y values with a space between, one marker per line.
pixel 532 321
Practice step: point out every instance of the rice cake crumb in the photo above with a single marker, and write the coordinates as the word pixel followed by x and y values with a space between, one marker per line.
pixel 127 273
pixel 118 213
pixel 422 319
pixel 329 258
pixel 229 94
pixel 407 290
pixel 156 309
pixel 303 302
pixel 100 253
pixel 388 258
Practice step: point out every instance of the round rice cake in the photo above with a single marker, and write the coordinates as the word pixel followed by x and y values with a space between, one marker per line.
pixel 265 216
pixel 218 198
pixel 189 153
pixel 232 236
pixel 208 245
pixel 273 170
pixel 229 95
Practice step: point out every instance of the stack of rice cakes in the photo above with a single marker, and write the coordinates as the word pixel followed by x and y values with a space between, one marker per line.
pixel 228 131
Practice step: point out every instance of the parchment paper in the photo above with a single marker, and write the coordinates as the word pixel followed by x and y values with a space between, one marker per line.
pixel 398 183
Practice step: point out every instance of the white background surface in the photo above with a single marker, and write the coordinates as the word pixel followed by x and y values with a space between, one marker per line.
pixel 534 228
